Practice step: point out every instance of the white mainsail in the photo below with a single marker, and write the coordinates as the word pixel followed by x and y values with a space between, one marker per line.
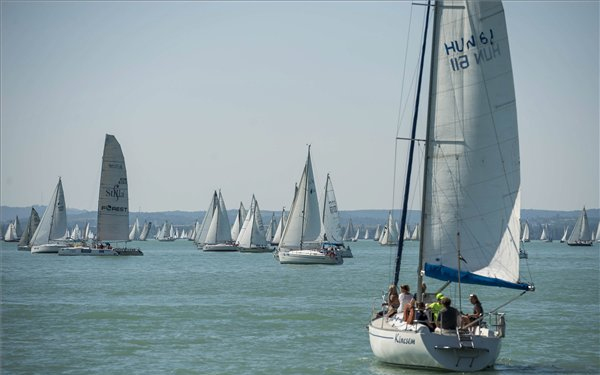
pixel 32 224
pixel 203 229
pixel 349 231
pixel 145 230
pixel 135 230
pixel 54 220
pixel 239 221
pixel 331 230
pixel 113 198
pixel 304 220
pixel 219 230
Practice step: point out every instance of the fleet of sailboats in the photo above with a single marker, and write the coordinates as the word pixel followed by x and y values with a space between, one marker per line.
pixel 471 187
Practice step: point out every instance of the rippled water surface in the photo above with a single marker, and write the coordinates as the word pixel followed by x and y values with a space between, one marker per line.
pixel 177 310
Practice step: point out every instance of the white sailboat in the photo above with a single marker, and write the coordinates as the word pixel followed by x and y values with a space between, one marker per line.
pixel 218 235
pixel 32 224
pixel 280 226
pixel 300 240
pixel 11 232
pixel 356 235
pixel 389 236
pixel 471 188
pixel 331 230
pixel 145 230
pixel 49 235
pixel 366 236
pixel 565 234
pixel 525 233
pixel 581 234
pixel 165 233
pixel 377 234
pixel 251 238
pixel 113 207
pixel 134 234
pixel 270 229
pixel 239 221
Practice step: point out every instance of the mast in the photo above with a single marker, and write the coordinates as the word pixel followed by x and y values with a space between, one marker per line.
pixel 410 158
pixel 304 203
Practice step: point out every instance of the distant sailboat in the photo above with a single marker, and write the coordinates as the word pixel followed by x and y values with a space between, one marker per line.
pixel 145 230
pixel 252 237
pixel 300 240
pixel 581 234
pixel 349 232
pixel 134 234
pixel 49 235
pixel 32 224
pixel 239 221
pixel 280 226
pixel 525 232
pixel 113 207
pixel 565 234
pixel 218 235
pixel 331 230
pixel 389 236
pixel 377 233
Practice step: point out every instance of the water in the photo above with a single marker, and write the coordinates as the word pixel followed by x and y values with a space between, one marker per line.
pixel 177 310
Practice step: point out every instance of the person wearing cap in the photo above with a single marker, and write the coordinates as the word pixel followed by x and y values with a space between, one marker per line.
pixel 436 306
pixel 449 317
pixel 477 311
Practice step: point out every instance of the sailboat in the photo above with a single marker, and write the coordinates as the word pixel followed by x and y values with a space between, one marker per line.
pixel 113 207
pixel 11 234
pixel 471 188
pixel 565 234
pixel 145 230
pixel 49 235
pixel 377 233
pixel 389 236
pixel 349 232
pixel 251 238
pixel 165 233
pixel 32 224
pixel 331 230
pixel 581 234
pixel 218 235
pixel 239 221
pixel 134 234
pixel 280 226
pixel 300 240
pixel 525 233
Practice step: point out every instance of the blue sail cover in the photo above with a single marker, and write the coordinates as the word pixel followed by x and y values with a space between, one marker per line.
pixel 449 274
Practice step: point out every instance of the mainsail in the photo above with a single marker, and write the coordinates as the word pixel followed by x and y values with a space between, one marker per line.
pixel 53 224
pixel 113 198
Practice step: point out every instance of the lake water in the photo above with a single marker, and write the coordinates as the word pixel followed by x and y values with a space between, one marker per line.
pixel 177 310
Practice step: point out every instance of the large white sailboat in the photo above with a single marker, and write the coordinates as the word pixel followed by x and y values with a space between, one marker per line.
pixel 471 188
pixel 49 235
pixel 113 207
pixel 300 242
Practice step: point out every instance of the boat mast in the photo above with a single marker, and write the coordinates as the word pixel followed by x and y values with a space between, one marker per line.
pixel 304 203
pixel 410 155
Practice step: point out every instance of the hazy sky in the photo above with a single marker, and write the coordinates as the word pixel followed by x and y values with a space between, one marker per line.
pixel 208 95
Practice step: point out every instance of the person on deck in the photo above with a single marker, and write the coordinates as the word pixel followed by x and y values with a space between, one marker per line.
pixel 448 317
pixel 436 306
pixel 393 301
pixel 405 297
pixel 477 312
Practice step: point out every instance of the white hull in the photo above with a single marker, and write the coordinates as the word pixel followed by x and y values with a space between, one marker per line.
pixel 83 250
pixel 48 248
pixel 259 249
pixel 220 247
pixel 309 257
pixel 418 347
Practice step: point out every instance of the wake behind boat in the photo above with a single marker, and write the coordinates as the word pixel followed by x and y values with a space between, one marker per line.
pixel 113 207
pixel 471 191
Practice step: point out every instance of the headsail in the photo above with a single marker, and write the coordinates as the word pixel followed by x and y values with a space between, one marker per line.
pixel 472 184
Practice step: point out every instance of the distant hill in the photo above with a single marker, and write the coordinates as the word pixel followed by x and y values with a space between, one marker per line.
pixel 361 218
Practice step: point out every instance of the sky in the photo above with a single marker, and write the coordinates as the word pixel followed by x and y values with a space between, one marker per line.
pixel 227 95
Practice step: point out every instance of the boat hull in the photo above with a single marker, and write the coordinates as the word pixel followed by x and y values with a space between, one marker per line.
pixel 309 257
pixel 48 248
pixel 86 251
pixel 259 249
pixel 220 247
pixel 418 347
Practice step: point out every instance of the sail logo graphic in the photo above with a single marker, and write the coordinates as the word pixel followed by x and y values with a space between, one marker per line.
pixel 111 208
pixel 116 192
pixel 483 49
pixel 115 165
